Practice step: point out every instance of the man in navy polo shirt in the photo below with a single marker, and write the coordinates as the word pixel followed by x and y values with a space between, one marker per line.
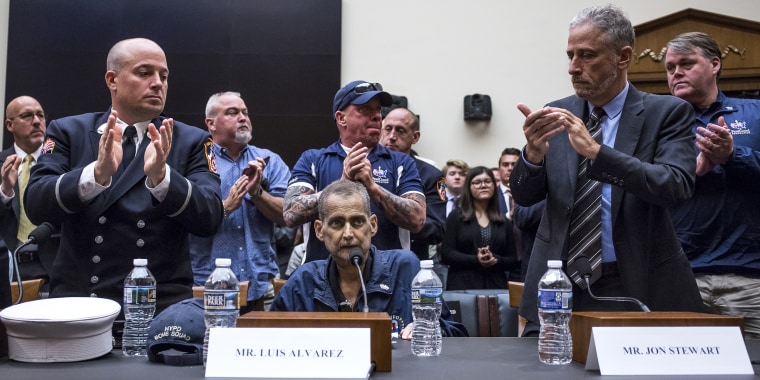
pixel 391 178
pixel 719 226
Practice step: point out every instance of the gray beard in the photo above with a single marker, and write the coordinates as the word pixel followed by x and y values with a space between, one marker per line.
pixel 598 88
pixel 243 137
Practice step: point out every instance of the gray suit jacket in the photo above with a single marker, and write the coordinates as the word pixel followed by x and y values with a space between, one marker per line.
pixel 651 168
pixel 9 214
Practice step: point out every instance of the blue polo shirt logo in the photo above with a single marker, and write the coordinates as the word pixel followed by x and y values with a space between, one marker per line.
pixel 380 175
pixel 739 128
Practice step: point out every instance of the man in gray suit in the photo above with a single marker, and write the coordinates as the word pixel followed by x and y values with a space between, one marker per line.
pixel 643 162
pixel 25 120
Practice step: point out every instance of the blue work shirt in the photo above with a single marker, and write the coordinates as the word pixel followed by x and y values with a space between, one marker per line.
pixel 389 289
pixel 246 234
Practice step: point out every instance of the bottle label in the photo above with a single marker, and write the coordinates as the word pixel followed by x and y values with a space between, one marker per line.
pixel 221 300
pixel 139 295
pixel 555 299
pixel 427 295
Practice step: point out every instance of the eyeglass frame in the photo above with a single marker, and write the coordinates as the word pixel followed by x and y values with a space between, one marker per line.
pixel 365 87
pixel 29 116
pixel 486 182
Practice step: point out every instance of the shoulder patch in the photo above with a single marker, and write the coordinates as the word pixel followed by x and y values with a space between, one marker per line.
pixel 48 146
pixel 208 148
pixel 440 185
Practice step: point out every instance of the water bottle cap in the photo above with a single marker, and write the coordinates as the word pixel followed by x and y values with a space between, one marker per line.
pixel 140 262
pixel 426 264
pixel 223 262
pixel 554 263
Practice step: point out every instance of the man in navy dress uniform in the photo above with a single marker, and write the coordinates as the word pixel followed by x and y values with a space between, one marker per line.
pixel 124 184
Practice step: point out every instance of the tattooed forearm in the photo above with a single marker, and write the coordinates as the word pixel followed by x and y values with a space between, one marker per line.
pixel 407 211
pixel 299 206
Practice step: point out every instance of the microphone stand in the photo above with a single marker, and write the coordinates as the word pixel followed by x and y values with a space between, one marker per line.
pixel 641 305
pixel 361 278
pixel 17 273
pixel 38 235
pixel 356 258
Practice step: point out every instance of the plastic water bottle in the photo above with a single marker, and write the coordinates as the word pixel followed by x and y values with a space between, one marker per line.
pixel 139 307
pixel 220 300
pixel 555 304
pixel 426 307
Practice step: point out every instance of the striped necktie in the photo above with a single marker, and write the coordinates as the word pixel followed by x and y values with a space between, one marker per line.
pixel 585 237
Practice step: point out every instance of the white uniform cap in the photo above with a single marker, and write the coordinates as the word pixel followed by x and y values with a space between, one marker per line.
pixel 63 329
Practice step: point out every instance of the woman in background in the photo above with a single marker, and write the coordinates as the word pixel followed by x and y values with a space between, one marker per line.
pixel 478 245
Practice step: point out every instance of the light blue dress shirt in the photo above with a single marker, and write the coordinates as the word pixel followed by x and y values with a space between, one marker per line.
pixel 245 235
pixel 614 109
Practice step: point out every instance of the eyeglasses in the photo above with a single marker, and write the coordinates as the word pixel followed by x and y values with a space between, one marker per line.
pixel 361 88
pixel 367 87
pixel 28 116
pixel 486 183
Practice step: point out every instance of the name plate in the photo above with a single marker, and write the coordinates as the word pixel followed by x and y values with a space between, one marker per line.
pixel 289 353
pixel 668 351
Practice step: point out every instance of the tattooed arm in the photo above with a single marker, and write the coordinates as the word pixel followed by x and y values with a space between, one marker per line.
pixel 406 211
pixel 299 206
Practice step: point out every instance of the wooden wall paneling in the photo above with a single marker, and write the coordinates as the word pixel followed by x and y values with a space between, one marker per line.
pixel 738 38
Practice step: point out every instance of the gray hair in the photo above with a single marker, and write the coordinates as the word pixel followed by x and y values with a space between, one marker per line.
pixel 344 188
pixel 611 21
pixel 687 43
pixel 214 99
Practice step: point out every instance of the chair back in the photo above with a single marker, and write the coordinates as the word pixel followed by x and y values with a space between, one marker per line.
pixel 31 290
pixel 278 283
pixel 470 309
pixel 504 317
pixel 495 315
pixel 515 295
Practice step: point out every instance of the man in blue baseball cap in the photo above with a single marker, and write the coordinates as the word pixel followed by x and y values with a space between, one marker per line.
pixel 360 92
pixel 391 178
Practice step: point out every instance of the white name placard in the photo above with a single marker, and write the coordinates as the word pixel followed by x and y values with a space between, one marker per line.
pixel 289 353
pixel 668 351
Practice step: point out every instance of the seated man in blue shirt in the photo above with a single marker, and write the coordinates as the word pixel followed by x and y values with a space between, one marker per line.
pixel 345 223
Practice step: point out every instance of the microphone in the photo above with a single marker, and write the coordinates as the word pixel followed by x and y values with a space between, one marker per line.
pixel 357 258
pixel 38 235
pixel 583 265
